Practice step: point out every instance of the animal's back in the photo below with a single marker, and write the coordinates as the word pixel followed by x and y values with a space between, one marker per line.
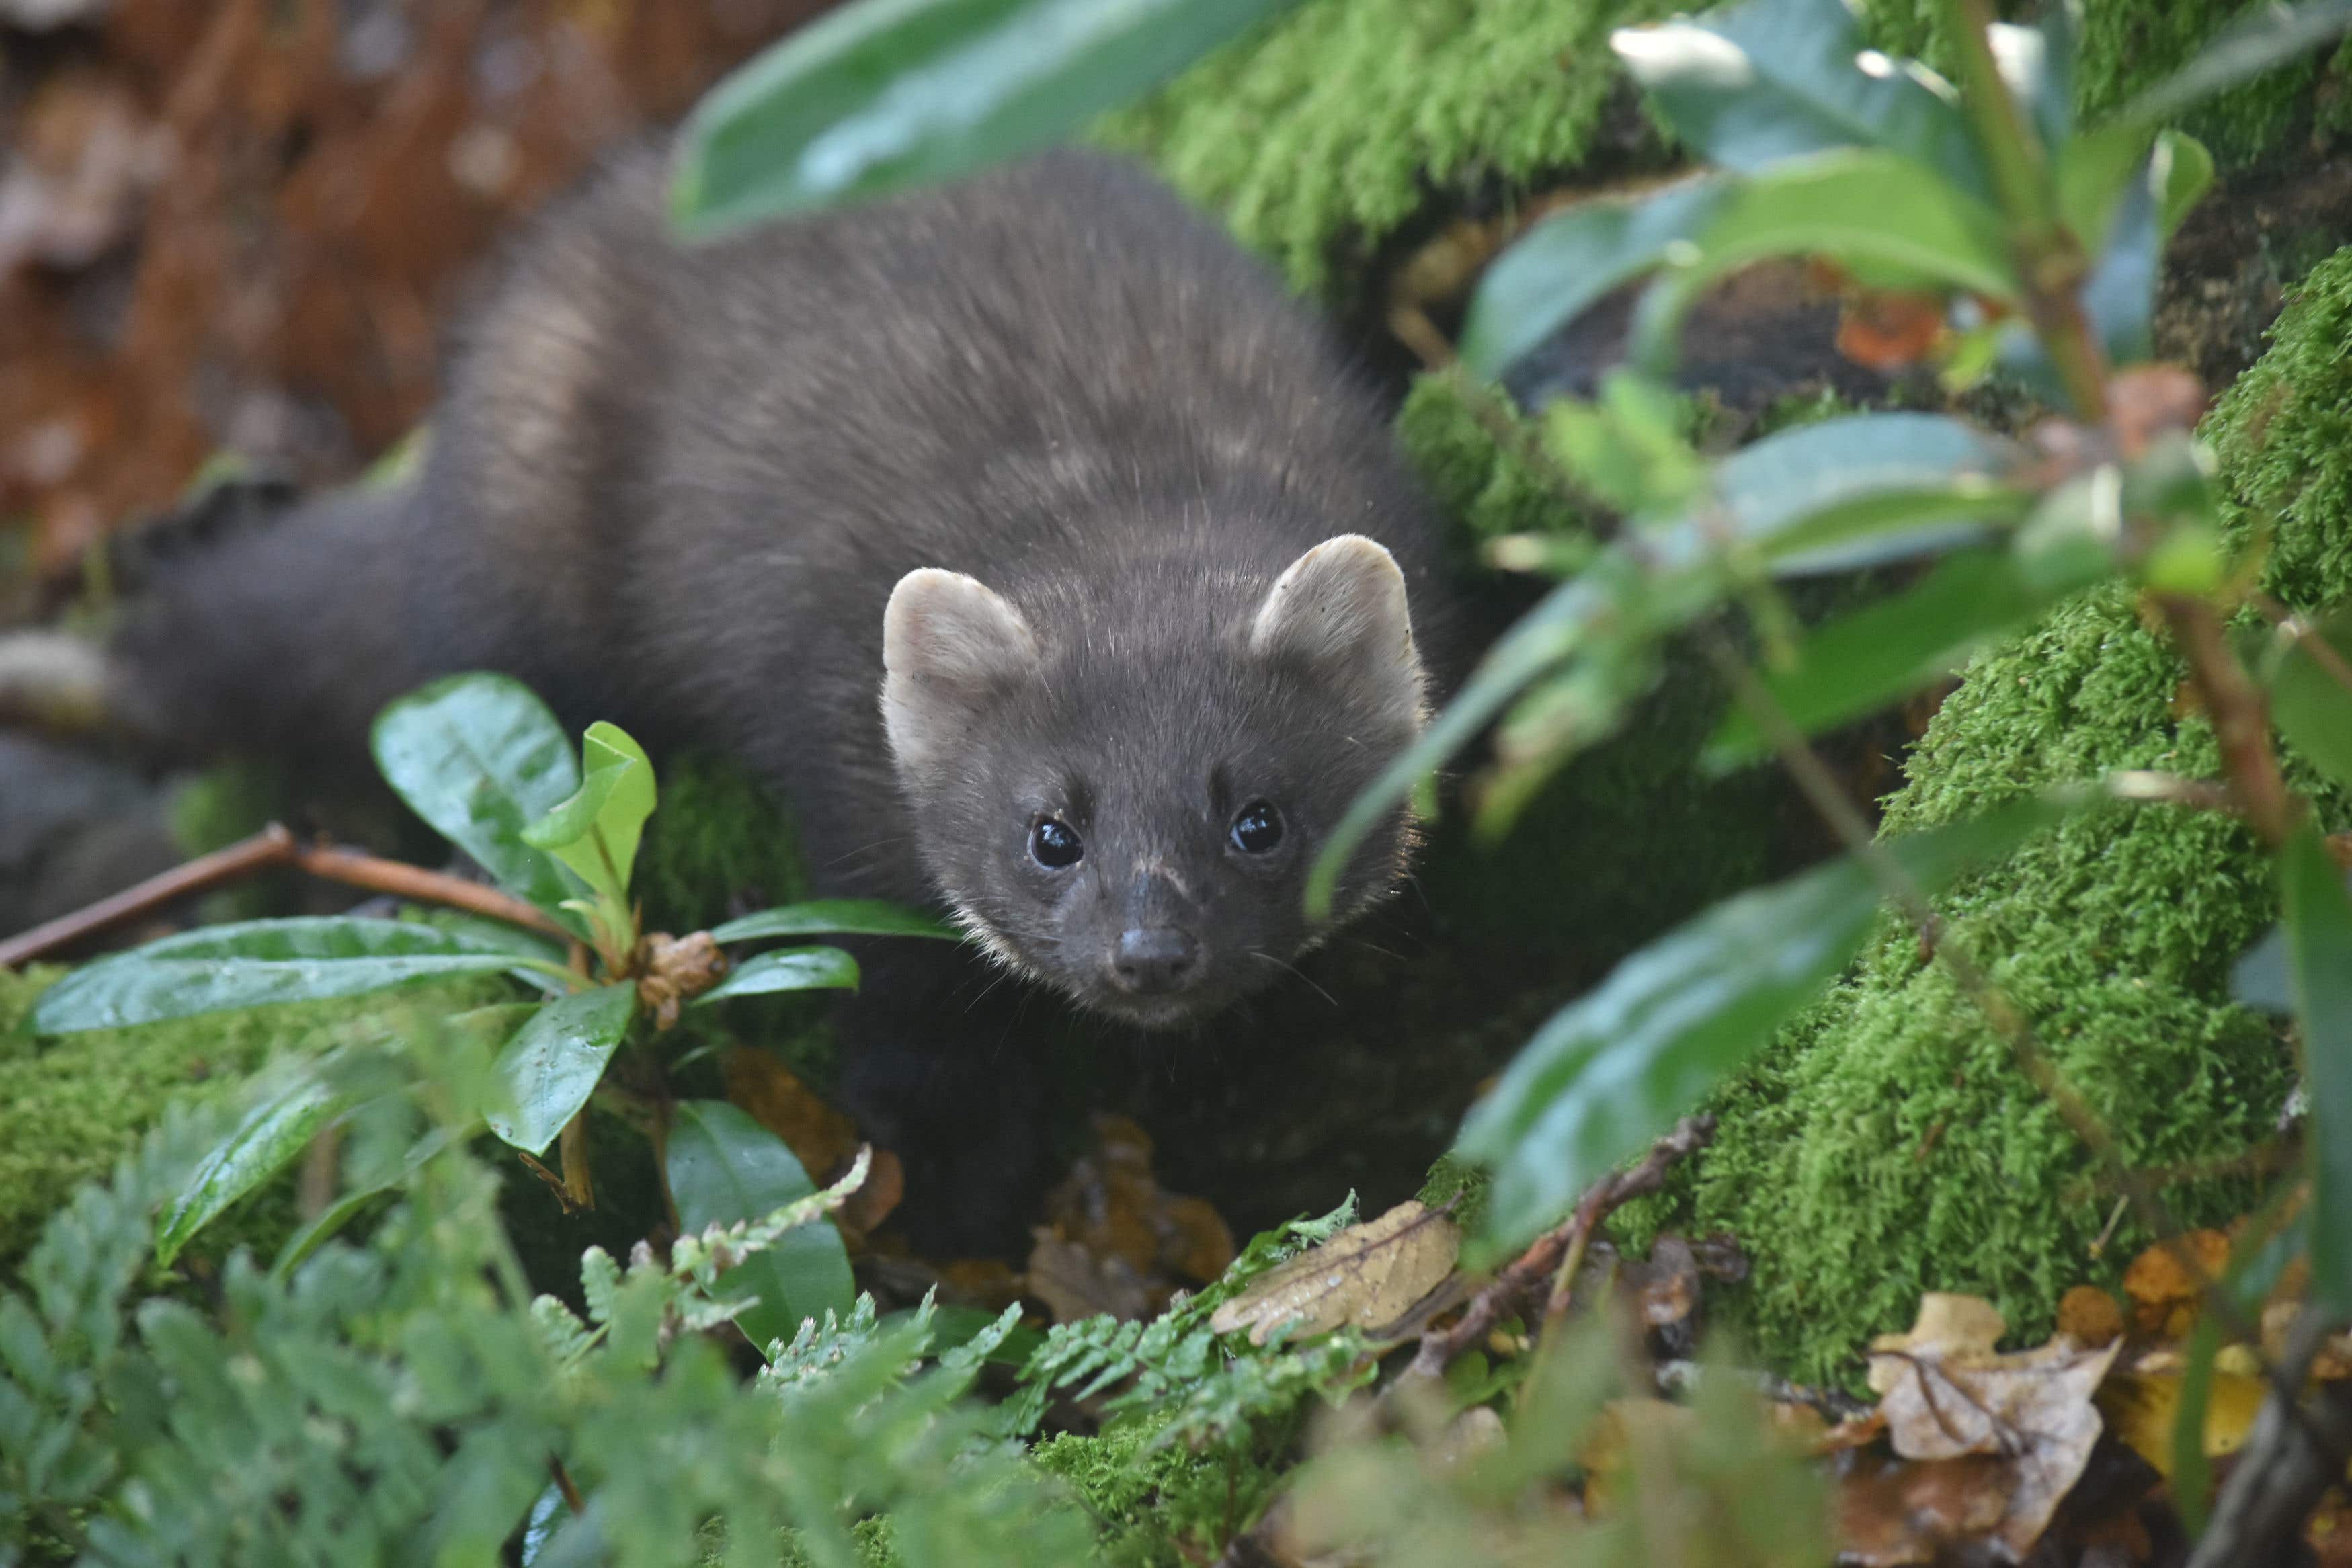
pixel 674 483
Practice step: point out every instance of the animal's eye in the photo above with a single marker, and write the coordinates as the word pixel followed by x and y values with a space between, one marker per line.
pixel 1054 844
pixel 1258 828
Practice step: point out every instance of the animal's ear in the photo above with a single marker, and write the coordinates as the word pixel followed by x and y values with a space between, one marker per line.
pixel 950 644
pixel 1339 609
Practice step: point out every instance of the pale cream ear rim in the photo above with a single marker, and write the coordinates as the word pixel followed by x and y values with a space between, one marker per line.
pixel 1368 555
pixel 939 618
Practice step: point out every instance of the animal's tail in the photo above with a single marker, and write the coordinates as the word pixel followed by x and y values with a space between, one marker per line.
pixel 283 638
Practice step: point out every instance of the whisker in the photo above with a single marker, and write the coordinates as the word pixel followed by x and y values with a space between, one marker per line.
pixel 1302 977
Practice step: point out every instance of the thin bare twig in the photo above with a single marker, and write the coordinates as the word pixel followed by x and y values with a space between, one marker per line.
pixel 272 847
pixel 2240 714
pixel 1530 1277
pixel 2295 1453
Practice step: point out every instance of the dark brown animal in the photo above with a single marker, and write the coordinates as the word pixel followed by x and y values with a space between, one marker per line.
pixel 1049 558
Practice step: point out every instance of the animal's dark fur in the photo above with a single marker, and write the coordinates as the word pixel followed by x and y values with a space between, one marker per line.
pixel 675 487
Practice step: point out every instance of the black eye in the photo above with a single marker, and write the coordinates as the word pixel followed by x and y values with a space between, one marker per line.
pixel 1054 844
pixel 1258 828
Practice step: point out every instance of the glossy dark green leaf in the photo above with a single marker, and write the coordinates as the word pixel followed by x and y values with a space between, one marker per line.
pixel 882 94
pixel 2310 702
pixel 834 917
pixel 268 1137
pixel 724 1167
pixel 1613 1069
pixel 2267 36
pixel 1879 654
pixel 478 757
pixel 1569 261
pixel 553 1062
pixel 2318 921
pixel 1866 209
pixel 792 969
pixel 595 830
pixel 255 964
pixel 1758 84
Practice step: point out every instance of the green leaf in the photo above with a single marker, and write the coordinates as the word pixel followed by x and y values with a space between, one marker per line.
pixel 1613 1069
pixel 824 916
pixel 2309 701
pixel 1629 448
pixel 2192 1473
pixel 258 962
pixel 2119 296
pixel 271 1134
pixel 2037 64
pixel 2267 36
pixel 724 1167
pixel 1866 209
pixel 1539 639
pixel 354 1203
pixel 595 832
pixel 1786 496
pixel 1758 84
pixel 2180 173
pixel 1878 654
pixel 1863 489
pixel 2319 961
pixel 1565 264
pixel 553 1062
pixel 884 94
pixel 478 757
pixel 792 969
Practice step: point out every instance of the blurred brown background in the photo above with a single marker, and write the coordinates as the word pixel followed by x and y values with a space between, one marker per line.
pixel 240 225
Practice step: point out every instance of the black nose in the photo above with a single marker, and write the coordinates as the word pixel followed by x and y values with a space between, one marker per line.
pixel 1154 958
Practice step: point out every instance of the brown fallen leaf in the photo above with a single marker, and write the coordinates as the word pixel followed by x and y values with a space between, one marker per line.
pixel 1945 1392
pixel 2090 1314
pixel 1111 1210
pixel 1368 1275
pixel 773 1095
pixel 1075 1282
pixel 1890 1513
pixel 2166 1282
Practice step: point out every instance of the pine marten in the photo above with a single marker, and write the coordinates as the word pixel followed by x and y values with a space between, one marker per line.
pixel 1053 564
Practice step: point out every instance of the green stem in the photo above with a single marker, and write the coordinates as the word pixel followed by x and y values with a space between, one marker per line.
pixel 2048 258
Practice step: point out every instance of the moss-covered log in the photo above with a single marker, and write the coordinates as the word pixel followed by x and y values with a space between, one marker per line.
pixel 1891 1144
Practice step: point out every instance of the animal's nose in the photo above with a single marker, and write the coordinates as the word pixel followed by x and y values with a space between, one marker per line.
pixel 1154 958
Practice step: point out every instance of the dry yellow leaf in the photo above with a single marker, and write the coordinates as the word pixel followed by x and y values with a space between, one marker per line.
pixel 1367 1275
pixel 2141 1406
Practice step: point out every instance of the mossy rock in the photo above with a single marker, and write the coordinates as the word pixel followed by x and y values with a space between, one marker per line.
pixel 1327 135
pixel 1890 1143
pixel 71 1105
pixel 1158 1504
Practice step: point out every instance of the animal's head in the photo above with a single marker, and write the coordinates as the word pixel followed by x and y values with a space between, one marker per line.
pixel 1125 801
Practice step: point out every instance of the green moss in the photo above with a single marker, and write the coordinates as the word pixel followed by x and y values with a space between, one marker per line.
pixel 70 1107
pixel 1328 134
pixel 1166 1505
pixel 718 844
pixel 1889 1144
pixel 2127 46
pixel 1324 134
